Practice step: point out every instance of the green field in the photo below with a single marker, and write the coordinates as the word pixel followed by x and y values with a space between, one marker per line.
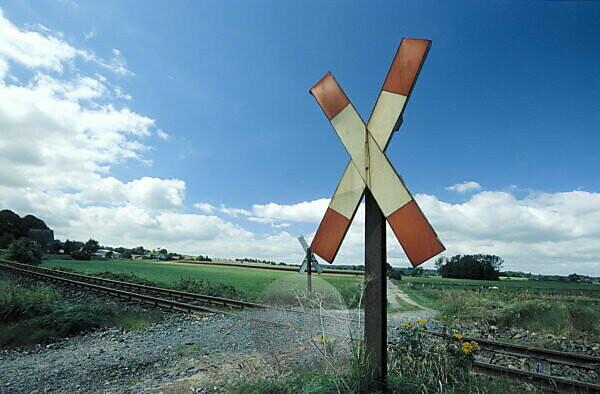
pixel 254 284
pixel 559 308
pixel 525 284
pixel 292 268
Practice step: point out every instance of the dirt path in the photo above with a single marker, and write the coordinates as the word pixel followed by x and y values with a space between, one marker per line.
pixel 420 312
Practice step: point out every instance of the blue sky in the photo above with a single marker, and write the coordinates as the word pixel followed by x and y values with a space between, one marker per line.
pixel 508 98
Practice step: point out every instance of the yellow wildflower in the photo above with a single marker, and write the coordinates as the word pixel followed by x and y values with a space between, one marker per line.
pixel 323 340
pixel 407 325
pixel 421 321
pixel 474 345
pixel 466 348
pixel 458 335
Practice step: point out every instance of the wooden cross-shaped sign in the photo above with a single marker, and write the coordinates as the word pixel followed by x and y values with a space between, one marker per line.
pixel 371 174
pixel 369 167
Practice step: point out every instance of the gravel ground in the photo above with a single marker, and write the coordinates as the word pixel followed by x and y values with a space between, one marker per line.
pixel 205 350
pixel 204 353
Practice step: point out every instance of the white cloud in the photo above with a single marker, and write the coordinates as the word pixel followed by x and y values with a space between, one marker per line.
pixel 308 211
pixel 122 95
pixel 162 135
pixel 465 187
pixel 542 232
pixel 233 212
pixel 118 64
pixel 205 207
pixel 33 49
pixel 154 193
pixel 90 35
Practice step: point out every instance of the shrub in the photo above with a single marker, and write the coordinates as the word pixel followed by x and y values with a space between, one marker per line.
pixel 478 266
pixel 25 251
pixel 5 240
pixel 81 255
pixel 37 315
pixel 396 273
pixel 18 303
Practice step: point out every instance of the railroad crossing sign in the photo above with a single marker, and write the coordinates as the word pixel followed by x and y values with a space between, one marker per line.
pixel 370 173
pixel 314 263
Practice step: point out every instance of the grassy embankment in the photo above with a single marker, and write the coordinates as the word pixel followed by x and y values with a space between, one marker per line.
pixel 234 282
pixel 559 308
pixel 39 315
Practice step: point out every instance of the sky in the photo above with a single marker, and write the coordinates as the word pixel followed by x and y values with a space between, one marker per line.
pixel 188 125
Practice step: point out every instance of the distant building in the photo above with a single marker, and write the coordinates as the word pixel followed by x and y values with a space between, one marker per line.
pixel 44 237
pixel 107 254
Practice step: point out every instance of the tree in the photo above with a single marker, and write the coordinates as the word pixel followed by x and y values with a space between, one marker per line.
pixel 81 254
pixel 72 246
pixel 5 240
pixel 395 273
pixel 10 222
pixel 478 266
pixel 574 278
pixel 91 246
pixel 439 262
pixel 55 247
pixel 25 251
pixel 31 222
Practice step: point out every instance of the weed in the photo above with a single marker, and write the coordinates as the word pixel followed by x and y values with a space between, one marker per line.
pixel 38 315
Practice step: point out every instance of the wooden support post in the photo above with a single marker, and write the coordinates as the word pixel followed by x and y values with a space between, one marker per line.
pixel 309 270
pixel 375 293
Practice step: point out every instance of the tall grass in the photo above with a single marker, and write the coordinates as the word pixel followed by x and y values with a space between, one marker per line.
pixel 414 366
pixel 38 315
pixel 18 303
pixel 556 315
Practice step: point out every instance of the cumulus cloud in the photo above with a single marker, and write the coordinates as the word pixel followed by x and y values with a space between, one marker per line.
pixel 542 232
pixel 205 207
pixel 307 211
pixel 465 187
pixel 33 49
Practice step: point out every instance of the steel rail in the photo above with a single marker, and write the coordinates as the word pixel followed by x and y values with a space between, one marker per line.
pixel 154 301
pixel 552 356
pixel 553 382
pixel 576 360
pixel 163 291
pixel 159 290
pixel 169 304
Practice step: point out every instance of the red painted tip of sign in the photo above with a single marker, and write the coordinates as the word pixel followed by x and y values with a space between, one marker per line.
pixel 419 241
pixel 406 66
pixel 330 96
pixel 330 234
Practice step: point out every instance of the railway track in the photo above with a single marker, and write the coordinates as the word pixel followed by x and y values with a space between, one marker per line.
pixel 197 303
pixel 540 362
pixel 151 295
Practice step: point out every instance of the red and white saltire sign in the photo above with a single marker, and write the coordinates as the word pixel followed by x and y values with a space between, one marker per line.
pixel 369 167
